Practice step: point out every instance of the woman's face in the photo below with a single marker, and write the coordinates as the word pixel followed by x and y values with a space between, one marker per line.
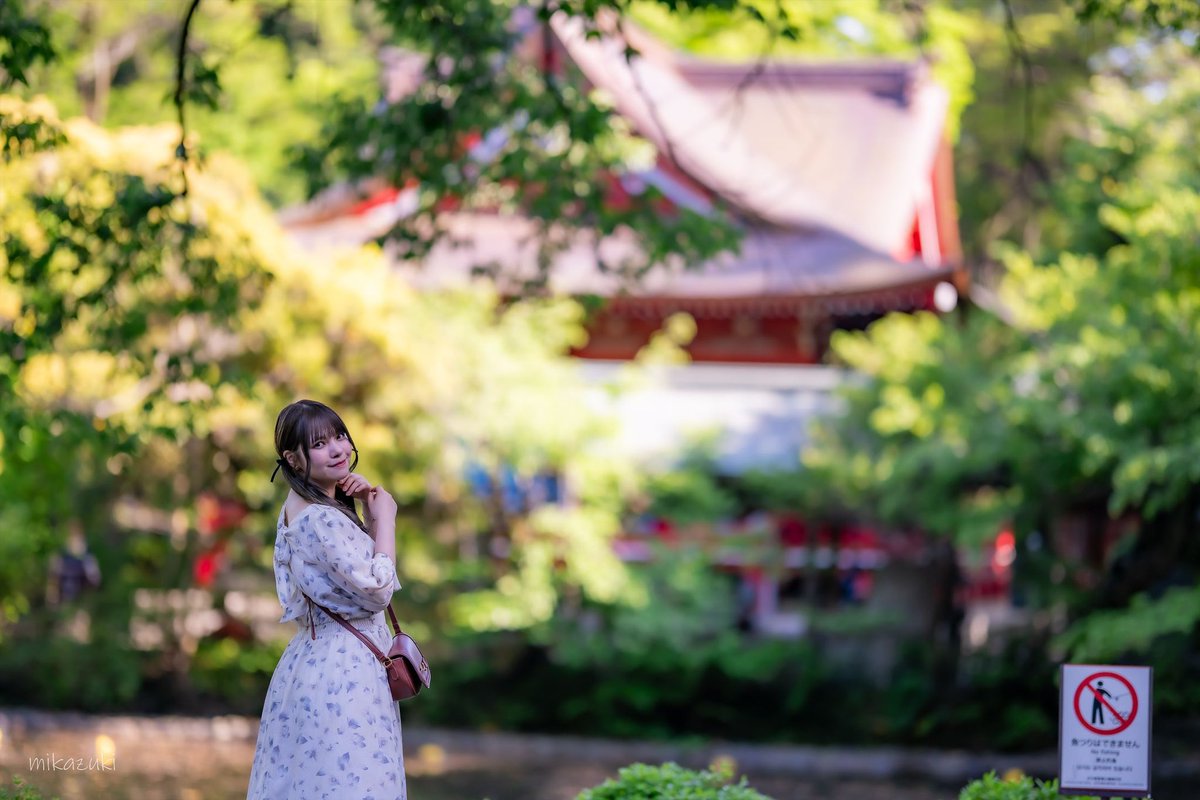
pixel 330 459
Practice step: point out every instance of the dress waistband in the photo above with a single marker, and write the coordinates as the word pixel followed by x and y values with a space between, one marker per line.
pixel 319 619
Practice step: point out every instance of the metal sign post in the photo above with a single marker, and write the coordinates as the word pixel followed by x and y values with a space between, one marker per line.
pixel 1104 730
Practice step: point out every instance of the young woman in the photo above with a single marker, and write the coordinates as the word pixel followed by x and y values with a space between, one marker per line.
pixel 330 728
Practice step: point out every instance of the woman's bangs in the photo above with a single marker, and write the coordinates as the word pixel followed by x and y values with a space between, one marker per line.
pixel 320 423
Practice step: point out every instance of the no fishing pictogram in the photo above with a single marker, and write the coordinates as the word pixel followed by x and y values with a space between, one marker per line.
pixel 1110 701
pixel 1105 715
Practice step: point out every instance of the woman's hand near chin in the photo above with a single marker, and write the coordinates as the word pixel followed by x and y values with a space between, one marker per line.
pixel 359 488
pixel 356 486
pixel 381 504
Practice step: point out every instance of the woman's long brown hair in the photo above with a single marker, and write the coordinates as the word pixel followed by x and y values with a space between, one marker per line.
pixel 298 426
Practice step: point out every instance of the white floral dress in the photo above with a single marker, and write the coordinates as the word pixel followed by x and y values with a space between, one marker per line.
pixel 330 729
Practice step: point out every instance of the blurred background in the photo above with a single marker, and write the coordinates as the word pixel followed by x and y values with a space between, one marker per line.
pixel 813 372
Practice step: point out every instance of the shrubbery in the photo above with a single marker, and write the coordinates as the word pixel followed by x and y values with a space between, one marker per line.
pixel 733 688
pixel 20 790
pixel 672 782
pixel 1019 787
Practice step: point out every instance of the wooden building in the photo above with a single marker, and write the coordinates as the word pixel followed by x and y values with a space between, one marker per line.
pixel 841 176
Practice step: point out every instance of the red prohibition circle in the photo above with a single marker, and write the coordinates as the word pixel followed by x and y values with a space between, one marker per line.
pixel 1125 723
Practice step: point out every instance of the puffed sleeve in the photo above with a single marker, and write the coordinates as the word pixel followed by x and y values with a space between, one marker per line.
pixel 335 564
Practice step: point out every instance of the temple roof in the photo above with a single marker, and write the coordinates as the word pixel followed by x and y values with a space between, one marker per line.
pixel 771 265
pixel 826 164
pixel 848 146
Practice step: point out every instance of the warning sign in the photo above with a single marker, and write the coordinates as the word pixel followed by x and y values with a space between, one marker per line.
pixel 1104 730
pixel 1104 717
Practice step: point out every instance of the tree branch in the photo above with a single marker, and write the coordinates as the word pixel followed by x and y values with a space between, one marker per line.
pixel 1020 53
pixel 652 107
pixel 180 90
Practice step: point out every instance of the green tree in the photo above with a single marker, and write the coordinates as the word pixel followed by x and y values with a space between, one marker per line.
pixel 264 74
pixel 113 299
pixel 1081 402
pixel 150 338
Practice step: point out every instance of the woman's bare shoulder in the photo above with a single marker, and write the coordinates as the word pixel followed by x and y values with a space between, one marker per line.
pixel 292 506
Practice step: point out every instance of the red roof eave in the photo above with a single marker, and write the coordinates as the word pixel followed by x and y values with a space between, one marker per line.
pixel 912 293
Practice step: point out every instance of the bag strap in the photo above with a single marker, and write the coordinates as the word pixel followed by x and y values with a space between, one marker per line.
pixel 395 625
pixel 341 621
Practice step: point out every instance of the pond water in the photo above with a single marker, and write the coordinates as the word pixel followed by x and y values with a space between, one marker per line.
pixel 172 767
pixel 460 781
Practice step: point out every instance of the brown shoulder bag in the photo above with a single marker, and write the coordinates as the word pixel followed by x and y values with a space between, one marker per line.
pixel 407 670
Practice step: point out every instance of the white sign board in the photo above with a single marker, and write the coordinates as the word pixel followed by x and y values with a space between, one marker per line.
pixel 1104 730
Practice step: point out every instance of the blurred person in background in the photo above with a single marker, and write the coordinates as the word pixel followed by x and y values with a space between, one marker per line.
pixel 73 570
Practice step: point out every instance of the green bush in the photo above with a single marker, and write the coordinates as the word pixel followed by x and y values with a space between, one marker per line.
pixel 989 787
pixel 630 698
pixel 21 790
pixel 615 675
pixel 56 671
pixel 935 702
pixel 672 782
pixel 235 674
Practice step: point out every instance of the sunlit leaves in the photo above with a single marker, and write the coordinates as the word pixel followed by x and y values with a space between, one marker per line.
pixel 24 40
pixel 101 256
pixel 152 339
pixel 1156 16
pixel 1084 400
pixel 1106 636
pixel 259 80
pixel 552 148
